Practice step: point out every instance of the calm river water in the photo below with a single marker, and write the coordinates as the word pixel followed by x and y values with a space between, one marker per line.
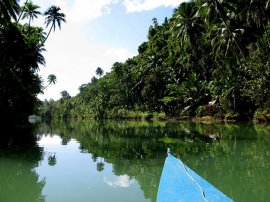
pixel 114 161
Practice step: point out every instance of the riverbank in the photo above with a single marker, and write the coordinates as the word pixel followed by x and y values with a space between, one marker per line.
pixel 260 116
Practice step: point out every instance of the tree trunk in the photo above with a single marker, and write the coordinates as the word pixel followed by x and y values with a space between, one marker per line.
pixel 46 36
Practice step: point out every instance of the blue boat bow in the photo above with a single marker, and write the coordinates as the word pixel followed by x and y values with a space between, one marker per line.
pixel 179 183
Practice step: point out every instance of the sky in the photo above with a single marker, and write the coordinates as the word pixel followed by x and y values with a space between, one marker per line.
pixel 97 33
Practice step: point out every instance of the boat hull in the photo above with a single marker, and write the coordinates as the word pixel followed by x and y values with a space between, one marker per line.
pixel 179 183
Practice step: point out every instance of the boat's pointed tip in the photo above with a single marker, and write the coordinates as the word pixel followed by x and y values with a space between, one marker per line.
pixel 168 150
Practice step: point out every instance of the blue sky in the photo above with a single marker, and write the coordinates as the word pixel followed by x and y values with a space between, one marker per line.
pixel 97 34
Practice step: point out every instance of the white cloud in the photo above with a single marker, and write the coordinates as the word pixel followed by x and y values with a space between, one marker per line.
pixel 123 181
pixel 122 54
pixel 73 58
pixel 146 5
pixel 71 54
pixel 80 11
pixel 49 140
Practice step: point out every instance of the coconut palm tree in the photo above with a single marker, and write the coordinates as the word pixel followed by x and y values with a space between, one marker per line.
pixel 216 8
pixel 225 39
pixel 53 18
pixel 99 71
pixel 52 160
pixel 190 25
pixel 22 11
pixel 31 11
pixel 51 80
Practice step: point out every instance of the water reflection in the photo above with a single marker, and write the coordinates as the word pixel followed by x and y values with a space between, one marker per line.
pixel 122 161
pixel 80 176
pixel 19 155
pixel 119 181
pixel 228 155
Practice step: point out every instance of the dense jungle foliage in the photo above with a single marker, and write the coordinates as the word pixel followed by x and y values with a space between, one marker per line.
pixel 21 47
pixel 211 58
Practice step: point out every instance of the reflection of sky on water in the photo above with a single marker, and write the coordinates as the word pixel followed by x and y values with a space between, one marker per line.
pixel 123 181
pixel 49 140
pixel 74 177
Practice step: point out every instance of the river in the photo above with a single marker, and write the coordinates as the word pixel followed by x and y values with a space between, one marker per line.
pixel 121 161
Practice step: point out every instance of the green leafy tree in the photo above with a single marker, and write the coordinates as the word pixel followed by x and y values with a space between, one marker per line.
pixel 65 94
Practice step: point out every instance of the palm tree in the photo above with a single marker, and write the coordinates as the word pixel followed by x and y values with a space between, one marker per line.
pixel 225 39
pixel 9 9
pixel 99 72
pixel 190 25
pixel 39 33
pixel 53 18
pixel 216 8
pixel 31 11
pixel 51 80
pixel 22 11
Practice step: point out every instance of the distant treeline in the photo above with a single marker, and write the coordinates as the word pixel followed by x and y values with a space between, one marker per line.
pixel 211 58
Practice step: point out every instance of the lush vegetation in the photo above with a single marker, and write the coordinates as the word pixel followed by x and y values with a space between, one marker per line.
pixel 210 59
pixel 21 47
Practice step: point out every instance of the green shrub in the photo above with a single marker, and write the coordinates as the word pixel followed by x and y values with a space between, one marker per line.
pixel 200 111
pixel 262 115
pixel 230 116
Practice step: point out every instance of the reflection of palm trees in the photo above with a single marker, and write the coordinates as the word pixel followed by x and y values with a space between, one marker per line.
pixel 52 160
pixel 100 165
pixel 19 180
pixel 94 157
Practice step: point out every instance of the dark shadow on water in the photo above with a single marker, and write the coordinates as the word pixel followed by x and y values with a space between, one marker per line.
pixel 19 155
